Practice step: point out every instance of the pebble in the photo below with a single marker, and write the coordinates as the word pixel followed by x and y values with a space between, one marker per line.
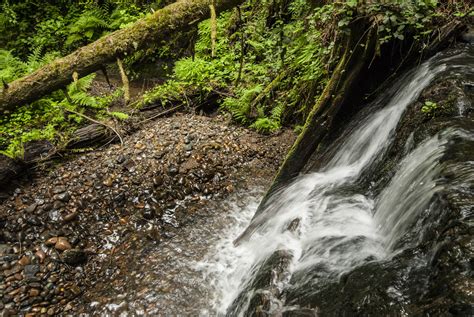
pixel 40 255
pixel 51 241
pixel 74 256
pixel 112 201
pixel 34 292
pixel 62 244
pixel 31 208
pixel 31 270
pixel 63 197
pixel 24 260
pixel 70 216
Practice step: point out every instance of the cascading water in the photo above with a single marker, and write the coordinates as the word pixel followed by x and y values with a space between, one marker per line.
pixel 325 223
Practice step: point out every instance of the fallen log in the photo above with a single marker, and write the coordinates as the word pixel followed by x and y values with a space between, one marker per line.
pixel 179 16
pixel 358 49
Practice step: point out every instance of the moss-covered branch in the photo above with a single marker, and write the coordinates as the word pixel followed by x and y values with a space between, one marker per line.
pixel 153 29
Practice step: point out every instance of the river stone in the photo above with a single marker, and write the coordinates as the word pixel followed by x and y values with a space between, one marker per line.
pixel 41 255
pixel 31 208
pixel 70 217
pixel 51 241
pixel 64 197
pixel 31 270
pixel 34 292
pixel 24 260
pixel 5 249
pixel 74 256
pixel 62 244
pixel 59 189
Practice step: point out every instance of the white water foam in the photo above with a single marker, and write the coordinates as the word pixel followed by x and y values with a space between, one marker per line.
pixel 337 227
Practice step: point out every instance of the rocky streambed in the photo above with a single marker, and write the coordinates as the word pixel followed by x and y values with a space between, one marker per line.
pixel 93 232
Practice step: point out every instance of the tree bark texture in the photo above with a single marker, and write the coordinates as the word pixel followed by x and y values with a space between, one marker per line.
pixel 176 17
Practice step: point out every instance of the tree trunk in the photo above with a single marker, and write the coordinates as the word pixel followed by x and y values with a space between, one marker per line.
pixel 179 16
pixel 357 51
pixel 357 54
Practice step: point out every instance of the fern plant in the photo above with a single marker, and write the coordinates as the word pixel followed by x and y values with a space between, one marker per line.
pixel 90 25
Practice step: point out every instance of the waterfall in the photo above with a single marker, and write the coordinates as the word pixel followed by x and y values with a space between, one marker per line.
pixel 325 223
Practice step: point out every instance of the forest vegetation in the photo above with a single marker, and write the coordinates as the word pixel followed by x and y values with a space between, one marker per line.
pixel 236 157
pixel 265 63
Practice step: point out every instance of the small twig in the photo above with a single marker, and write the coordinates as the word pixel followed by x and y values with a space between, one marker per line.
pixel 98 122
pixel 106 75
pixel 212 8
pixel 5 84
pixel 126 85
pixel 68 97
pixel 242 48
pixel 162 113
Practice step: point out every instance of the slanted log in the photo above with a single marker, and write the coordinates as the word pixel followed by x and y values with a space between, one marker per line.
pixel 151 30
pixel 358 49
pixel 358 53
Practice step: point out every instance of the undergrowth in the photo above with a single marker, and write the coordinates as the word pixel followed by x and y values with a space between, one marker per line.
pixel 273 57
pixel 288 50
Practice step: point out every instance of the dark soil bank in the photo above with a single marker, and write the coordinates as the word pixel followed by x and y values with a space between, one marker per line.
pixel 65 232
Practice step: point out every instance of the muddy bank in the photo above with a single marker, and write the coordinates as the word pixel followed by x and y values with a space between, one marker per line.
pixel 72 230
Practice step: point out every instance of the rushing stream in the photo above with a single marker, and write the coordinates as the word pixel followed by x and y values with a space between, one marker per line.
pixel 340 216
pixel 379 223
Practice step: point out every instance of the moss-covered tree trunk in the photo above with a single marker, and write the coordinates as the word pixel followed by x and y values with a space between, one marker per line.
pixel 148 31
pixel 357 50
pixel 357 55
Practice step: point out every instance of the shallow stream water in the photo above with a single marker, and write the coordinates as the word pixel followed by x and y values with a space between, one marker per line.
pixel 340 235
pixel 329 221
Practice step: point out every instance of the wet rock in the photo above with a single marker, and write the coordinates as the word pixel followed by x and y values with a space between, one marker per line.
pixel 63 197
pixel 59 189
pixel 62 244
pixel 34 292
pixel 122 210
pixel 24 260
pixel 148 214
pixel 51 241
pixel 172 170
pixel 74 257
pixel 31 208
pixel 70 216
pixel 5 249
pixel 31 270
pixel 41 255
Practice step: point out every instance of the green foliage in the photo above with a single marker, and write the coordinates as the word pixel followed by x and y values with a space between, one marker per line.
pixel 119 115
pixel 265 125
pixel 90 25
pixel 429 107
pixel 63 25
pixel 12 67
pixel 239 107
pixel 50 118
pixel 288 50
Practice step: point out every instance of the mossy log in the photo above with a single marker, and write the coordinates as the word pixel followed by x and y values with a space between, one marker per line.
pixel 151 30
pixel 358 49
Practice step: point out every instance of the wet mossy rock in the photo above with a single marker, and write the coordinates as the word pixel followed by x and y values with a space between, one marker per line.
pixel 9 169
pixel 177 17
